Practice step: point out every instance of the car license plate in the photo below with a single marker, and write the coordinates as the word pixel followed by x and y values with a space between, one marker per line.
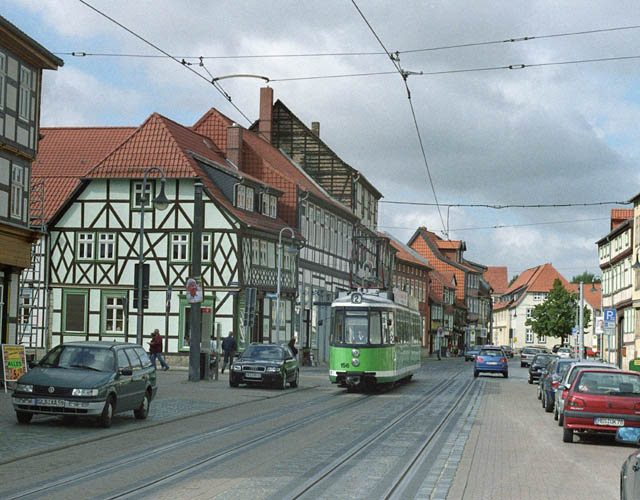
pixel 492 363
pixel 49 402
pixel 614 422
pixel 253 375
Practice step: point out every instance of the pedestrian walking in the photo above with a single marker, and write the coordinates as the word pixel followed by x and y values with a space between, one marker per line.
pixel 292 346
pixel 155 350
pixel 229 346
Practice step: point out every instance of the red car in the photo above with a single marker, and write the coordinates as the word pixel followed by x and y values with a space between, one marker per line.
pixel 601 401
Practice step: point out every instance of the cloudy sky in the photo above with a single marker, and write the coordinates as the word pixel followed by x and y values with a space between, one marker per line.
pixel 563 130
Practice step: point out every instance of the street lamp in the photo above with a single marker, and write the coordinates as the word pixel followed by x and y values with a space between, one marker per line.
pixel 160 203
pixel 292 250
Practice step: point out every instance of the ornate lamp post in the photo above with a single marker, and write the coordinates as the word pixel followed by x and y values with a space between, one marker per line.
pixel 161 202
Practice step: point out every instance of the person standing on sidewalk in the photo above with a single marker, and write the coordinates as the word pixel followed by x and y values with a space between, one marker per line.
pixel 292 346
pixel 155 349
pixel 229 346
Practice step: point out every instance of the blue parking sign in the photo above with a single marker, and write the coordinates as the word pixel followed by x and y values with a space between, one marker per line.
pixel 610 315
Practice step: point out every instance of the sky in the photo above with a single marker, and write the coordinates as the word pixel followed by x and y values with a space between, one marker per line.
pixel 561 130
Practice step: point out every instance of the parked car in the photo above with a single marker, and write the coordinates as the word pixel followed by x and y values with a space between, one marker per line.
pixel 550 381
pixel 491 360
pixel 265 364
pixel 507 350
pixel 87 379
pixel 539 362
pixel 600 402
pixel 527 355
pixel 568 379
pixel 630 470
pixel 564 352
pixel 471 352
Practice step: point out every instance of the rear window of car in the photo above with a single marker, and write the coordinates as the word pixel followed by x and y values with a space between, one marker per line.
pixel 530 350
pixel 491 352
pixel 610 384
pixel 562 368
pixel 543 358
pixel 576 370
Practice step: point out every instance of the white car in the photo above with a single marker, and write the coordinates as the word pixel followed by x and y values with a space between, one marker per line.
pixel 564 352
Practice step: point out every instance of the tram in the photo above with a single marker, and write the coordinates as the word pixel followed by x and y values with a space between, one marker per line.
pixel 374 340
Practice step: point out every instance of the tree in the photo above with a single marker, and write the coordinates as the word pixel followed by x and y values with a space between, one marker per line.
pixel 512 280
pixel 586 277
pixel 556 316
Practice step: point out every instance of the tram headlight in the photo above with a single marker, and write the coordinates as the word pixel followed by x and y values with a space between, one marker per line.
pixel 355 362
pixel 355 353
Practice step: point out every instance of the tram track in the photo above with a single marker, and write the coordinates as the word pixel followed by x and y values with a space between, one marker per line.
pixel 313 486
pixel 198 438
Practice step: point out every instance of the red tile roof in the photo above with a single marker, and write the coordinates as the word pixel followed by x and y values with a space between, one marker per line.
pixel 619 215
pixel 496 276
pixel 593 298
pixel 538 279
pixel 67 153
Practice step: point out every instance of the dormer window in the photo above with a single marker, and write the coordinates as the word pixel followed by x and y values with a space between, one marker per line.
pixel 244 197
pixel 269 205
pixel 248 199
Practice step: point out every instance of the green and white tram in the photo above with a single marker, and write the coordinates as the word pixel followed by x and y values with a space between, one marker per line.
pixel 374 340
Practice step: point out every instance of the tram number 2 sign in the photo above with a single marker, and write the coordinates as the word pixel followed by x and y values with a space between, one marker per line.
pixel 356 298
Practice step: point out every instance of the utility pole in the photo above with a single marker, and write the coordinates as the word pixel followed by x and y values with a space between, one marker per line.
pixel 196 257
pixel 581 324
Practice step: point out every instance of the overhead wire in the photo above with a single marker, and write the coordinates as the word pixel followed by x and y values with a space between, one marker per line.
pixel 404 74
pixel 499 207
pixel 215 84
pixel 360 53
pixel 506 226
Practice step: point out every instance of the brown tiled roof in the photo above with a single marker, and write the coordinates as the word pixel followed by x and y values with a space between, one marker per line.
pixel 265 162
pixel 619 215
pixel 67 153
pixel 496 276
pixel 593 298
pixel 405 253
pixel 538 279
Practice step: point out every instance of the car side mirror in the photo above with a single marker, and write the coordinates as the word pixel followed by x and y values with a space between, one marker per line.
pixel 31 363
pixel 126 371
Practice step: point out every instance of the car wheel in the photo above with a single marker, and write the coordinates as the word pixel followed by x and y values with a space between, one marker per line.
pixel 560 419
pixel 530 380
pixel 24 417
pixel 232 382
pixel 555 412
pixel 548 405
pixel 296 380
pixel 505 374
pixel 69 419
pixel 106 418
pixel 539 393
pixel 283 385
pixel 522 365
pixel 143 410
pixel 475 373
pixel 567 435
pixel 542 400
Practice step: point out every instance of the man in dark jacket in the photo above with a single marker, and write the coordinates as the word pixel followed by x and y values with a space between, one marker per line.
pixel 229 346
pixel 155 349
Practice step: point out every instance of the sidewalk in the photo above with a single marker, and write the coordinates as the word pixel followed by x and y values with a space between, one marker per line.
pixel 175 399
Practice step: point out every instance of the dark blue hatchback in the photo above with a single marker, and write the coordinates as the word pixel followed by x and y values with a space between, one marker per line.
pixel 491 360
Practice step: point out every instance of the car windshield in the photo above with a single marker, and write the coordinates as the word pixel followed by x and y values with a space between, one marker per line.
pixel 543 359
pixel 491 352
pixel 610 384
pixel 266 352
pixel 473 348
pixel 506 347
pixel 86 357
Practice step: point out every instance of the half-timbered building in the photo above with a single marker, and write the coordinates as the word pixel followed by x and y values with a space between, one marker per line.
pixel 94 244
pixel 22 61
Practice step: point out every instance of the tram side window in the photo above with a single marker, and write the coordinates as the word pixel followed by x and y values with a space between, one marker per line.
pixel 375 335
pixel 338 327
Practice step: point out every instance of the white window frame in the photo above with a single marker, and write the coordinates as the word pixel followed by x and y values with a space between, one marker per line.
pixel 17 190
pixel 273 207
pixel 528 336
pixel 3 77
pixel 255 252
pixel 205 249
pixel 137 195
pixel 113 310
pixel 179 247
pixel 248 199
pixel 106 242
pixel 86 246
pixel 264 254
pixel 240 196
pixel 24 100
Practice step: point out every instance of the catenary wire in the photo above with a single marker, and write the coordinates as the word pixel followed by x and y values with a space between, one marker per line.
pixel 504 226
pixel 361 53
pixel 216 85
pixel 396 62
pixel 499 207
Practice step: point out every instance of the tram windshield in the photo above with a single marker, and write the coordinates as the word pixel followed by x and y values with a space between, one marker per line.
pixel 356 329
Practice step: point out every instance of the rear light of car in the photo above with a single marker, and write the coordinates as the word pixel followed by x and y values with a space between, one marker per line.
pixel 575 403
pixel 555 384
pixel 522 356
pixel 478 358
pixel 502 360
pixel 564 394
pixel 637 407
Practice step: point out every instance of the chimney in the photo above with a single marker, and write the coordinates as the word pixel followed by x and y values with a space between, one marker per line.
pixel 234 145
pixel 266 112
pixel 315 128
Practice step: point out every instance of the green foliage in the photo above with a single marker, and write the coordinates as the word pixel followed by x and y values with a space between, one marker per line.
pixel 586 277
pixel 556 316
pixel 512 280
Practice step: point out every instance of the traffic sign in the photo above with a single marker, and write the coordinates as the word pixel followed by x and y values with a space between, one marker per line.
pixel 610 315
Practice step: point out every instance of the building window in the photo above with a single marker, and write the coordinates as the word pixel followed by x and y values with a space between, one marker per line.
pixel 529 336
pixel 3 74
pixel 113 313
pixel 85 246
pixel 273 207
pixel 542 339
pixel 240 192
pixel 263 254
pixel 179 247
pixel 17 190
pixel 137 194
pixel 74 311
pixel 106 246
pixel 24 104
pixel 248 199
pixel 206 248
pixel 255 252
